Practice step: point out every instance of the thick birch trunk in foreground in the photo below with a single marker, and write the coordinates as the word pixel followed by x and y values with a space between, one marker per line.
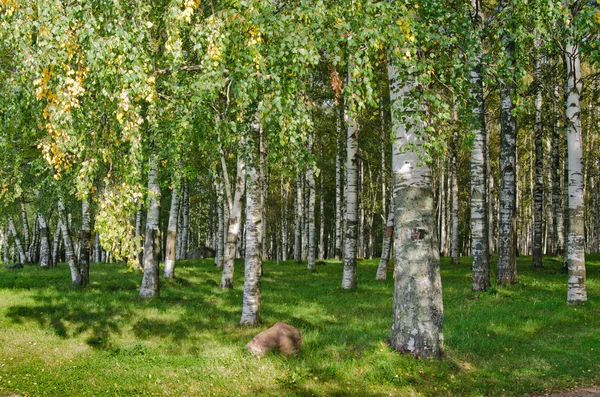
pixel 150 281
pixel 86 242
pixel 480 248
pixel 71 258
pixel 418 310
pixel 234 203
pixel 17 241
pixel 507 270
pixel 387 245
pixel 171 253
pixel 351 193
pixel 575 254
pixel 253 260
pixel 538 198
pixel 45 259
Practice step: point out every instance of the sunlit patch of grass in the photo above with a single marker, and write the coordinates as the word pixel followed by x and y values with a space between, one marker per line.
pixel 58 340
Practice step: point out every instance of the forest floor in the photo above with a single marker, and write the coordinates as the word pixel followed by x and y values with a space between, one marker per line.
pixel 580 392
pixel 522 340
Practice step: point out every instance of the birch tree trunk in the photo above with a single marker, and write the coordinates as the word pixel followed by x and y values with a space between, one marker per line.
pixel 150 281
pixel 26 240
pixel 171 248
pixel 351 194
pixel 139 237
pixel 185 226
pixel 310 179
pixel 454 248
pixel 305 217
pixel 507 270
pixel 55 243
pixel 284 220
pixel 575 254
pixel 97 249
pixel 479 206
pixel 322 223
pixel 538 198
pixel 418 310
pixel 86 240
pixel 45 259
pixel 338 190
pixel 17 241
pixel 5 247
pixel 298 221
pixel 71 258
pixel 387 244
pixel 556 180
pixel 253 260
pixel 234 204
pixel 220 248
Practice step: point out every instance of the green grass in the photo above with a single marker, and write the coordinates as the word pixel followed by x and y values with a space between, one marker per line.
pixel 56 340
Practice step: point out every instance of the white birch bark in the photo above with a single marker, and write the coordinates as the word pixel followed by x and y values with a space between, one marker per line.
pixel 5 248
pixel 322 215
pixel 139 237
pixel 387 245
pixel 86 241
pixel 284 219
pixel 71 258
pixel 234 204
pixel 310 180
pixel 338 189
pixel 56 242
pixel 26 240
pixel 557 196
pixel 150 287
pixel 171 247
pixel 305 217
pixel 507 270
pixel 361 211
pixel 351 195
pixel 454 248
pixel 97 249
pixel 45 259
pixel 575 254
pixel 17 241
pixel 298 220
pixel 418 310
pixel 253 260
pixel 220 229
pixel 479 207
pixel 538 198
pixel 185 225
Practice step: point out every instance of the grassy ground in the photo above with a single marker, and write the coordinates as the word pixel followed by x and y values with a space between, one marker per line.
pixel 61 341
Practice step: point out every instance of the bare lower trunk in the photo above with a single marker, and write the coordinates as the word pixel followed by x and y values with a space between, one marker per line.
pixel 253 263
pixel 220 248
pixel 284 220
pixel 25 232
pixel 139 237
pixel 5 247
pixel 55 243
pixel 557 197
pixel 69 251
pixel 507 271
pixel 172 235
pixel 338 191
pixel 97 249
pixel 418 310
pixel 538 198
pixel 349 274
pixel 86 240
pixel 322 223
pixel 17 241
pixel 45 259
pixel 150 281
pixel 310 180
pixel 387 245
pixel 234 203
pixel 298 221
pixel 454 248
pixel 575 254
pixel 185 225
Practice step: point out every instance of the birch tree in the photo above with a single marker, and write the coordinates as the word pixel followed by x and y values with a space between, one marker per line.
pixel 150 287
pixel 172 234
pixel 68 243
